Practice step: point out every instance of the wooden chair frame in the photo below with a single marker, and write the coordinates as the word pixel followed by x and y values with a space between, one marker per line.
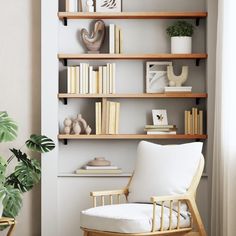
pixel 5 221
pixel 196 228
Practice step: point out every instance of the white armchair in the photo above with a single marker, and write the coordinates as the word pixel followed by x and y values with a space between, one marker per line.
pixel 160 196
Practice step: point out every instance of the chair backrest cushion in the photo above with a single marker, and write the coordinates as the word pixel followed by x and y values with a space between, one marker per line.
pixel 163 170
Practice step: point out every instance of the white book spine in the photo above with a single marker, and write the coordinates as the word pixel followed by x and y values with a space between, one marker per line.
pixel 94 82
pixel 77 79
pixel 73 5
pixel 108 79
pixel 86 78
pixel 81 79
pixel 113 78
pixel 100 80
pixel 104 80
pixel 91 80
pixel 111 38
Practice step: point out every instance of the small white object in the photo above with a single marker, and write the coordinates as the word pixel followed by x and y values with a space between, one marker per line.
pixel 159 117
pixel 177 80
pixel 89 6
pixel 181 45
pixel 178 89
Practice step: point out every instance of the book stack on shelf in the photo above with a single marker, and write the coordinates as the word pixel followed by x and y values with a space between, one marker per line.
pixel 107 117
pixel 99 166
pixel 160 129
pixel 182 89
pixel 83 79
pixel 194 122
pixel 115 39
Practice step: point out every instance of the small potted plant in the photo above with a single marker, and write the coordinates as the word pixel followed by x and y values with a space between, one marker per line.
pixel 27 171
pixel 181 37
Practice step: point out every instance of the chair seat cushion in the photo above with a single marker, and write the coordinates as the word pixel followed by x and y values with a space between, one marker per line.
pixel 129 218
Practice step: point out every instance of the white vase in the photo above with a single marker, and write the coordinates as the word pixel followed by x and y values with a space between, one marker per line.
pixel 181 45
pixel 1 208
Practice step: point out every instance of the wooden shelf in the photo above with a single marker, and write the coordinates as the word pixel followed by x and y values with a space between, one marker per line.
pixel 132 15
pixel 94 175
pixel 130 136
pixel 108 56
pixel 136 96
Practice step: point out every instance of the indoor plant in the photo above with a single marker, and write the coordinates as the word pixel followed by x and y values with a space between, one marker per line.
pixel 27 172
pixel 181 37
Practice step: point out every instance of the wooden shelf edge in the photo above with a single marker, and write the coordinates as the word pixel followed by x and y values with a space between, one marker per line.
pixel 131 137
pixel 94 175
pixel 132 15
pixel 138 95
pixel 107 56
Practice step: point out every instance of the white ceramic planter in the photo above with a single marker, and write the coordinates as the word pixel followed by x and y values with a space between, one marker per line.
pixel 181 45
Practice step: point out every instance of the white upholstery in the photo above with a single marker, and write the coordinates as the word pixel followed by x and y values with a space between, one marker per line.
pixel 163 170
pixel 129 218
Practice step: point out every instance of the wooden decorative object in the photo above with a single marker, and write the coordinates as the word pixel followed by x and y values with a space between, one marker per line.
pixel 174 80
pixel 4 221
pixel 93 41
pixel 99 161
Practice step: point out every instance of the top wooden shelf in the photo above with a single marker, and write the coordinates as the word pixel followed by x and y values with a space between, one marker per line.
pixel 132 15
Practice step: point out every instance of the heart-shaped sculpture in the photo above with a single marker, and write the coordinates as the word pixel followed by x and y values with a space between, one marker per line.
pixel 93 41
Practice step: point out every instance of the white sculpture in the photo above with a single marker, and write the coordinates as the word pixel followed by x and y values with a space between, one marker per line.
pixel 174 80
pixel 67 125
pixel 89 6
pixel 86 127
pixel 76 127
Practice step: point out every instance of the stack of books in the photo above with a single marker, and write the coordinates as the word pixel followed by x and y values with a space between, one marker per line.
pixel 160 129
pixel 99 170
pixel 181 89
pixel 83 79
pixel 193 122
pixel 115 39
pixel 107 117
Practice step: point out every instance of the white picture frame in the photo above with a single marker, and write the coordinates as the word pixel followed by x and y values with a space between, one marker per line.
pixel 159 117
pixel 108 5
pixel 156 76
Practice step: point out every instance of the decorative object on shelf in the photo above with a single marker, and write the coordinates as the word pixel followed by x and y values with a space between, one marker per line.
pixel 67 125
pixel 27 172
pixel 72 6
pixel 156 76
pixel 159 117
pixel 115 39
pixel 160 129
pixel 193 122
pixel 94 41
pixel 76 127
pixel 108 5
pixel 99 161
pixel 86 128
pixel 177 80
pixel 181 37
pixel 90 6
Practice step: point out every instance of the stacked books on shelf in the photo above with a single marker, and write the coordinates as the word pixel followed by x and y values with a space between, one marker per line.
pixel 83 79
pixel 182 89
pixel 194 122
pixel 160 129
pixel 107 117
pixel 115 39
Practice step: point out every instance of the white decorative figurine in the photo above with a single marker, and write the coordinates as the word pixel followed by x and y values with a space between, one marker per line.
pixel 89 6
pixel 76 127
pixel 174 80
pixel 67 125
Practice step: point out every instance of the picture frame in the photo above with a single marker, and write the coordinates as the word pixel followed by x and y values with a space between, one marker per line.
pixel 159 117
pixel 156 76
pixel 108 5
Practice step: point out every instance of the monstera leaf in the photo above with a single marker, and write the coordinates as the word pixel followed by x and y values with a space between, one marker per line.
pixel 3 166
pixel 8 128
pixel 40 143
pixel 12 201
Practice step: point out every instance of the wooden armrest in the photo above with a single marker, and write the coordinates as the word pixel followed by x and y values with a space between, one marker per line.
pixel 156 199
pixel 108 192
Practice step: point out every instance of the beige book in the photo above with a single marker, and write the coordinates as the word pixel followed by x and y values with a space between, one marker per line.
pixel 86 78
pixel 112 118
pixel 108 78
pixel 77 79
pixel 72 87
pixel 107 117
pixel 186 122
pixel 97 82
pixel 198 126
pixel 94 79
pixel 104 80
pixel 68 79
pixel 117 120
pixel 195 121
pixel 121 41
pixel 113 78
pixel 189 122
pixel 81 79
pixel 67 5
pixel 91 80
pixel 100 79
pixel 100 117
pixel 104 115
pixel 201 122
pixel 117 39
pixel 96 117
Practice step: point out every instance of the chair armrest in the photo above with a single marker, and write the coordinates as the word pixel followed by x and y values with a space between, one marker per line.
pixel 155 199
pixel 110 194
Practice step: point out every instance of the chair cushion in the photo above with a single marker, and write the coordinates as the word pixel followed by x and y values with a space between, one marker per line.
pixel 163 170
pixel 129 218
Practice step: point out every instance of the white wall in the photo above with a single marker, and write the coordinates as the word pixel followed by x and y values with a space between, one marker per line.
pixel 20 88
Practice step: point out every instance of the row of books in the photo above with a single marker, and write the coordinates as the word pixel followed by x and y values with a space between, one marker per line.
pixel 107 117
pixel 73 5
pixel 160 129
pixel 181 89
pixel 83 79
pixel 194 121
pixel 115 39
pixel 99 170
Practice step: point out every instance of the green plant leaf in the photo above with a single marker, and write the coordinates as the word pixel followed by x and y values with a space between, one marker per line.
pixel 180 28
pixel 40 143
pixel 8 128
pixel 20 156
pixel 12 201
pixel 3 166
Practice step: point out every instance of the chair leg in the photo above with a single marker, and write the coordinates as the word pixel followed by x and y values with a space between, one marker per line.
pixel 86 233
pixel 197 217
pixel 11 230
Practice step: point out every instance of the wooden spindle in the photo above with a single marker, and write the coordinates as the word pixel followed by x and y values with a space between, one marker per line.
pixel 102 200
pixel 178 217
pixel 111 199
pixel 154 217
pixel 162 216
pixel 171 209
pixel 94 201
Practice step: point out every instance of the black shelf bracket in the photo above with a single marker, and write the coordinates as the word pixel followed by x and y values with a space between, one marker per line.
pixel 64 62
pixel 197 62
pixel 64 21
pixel 197 101
pixel 65 102
pixel 198 140
pixel 197 21
pixel 65 141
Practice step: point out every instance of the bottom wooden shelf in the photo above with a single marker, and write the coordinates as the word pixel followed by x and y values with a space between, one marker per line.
pixel 131 136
